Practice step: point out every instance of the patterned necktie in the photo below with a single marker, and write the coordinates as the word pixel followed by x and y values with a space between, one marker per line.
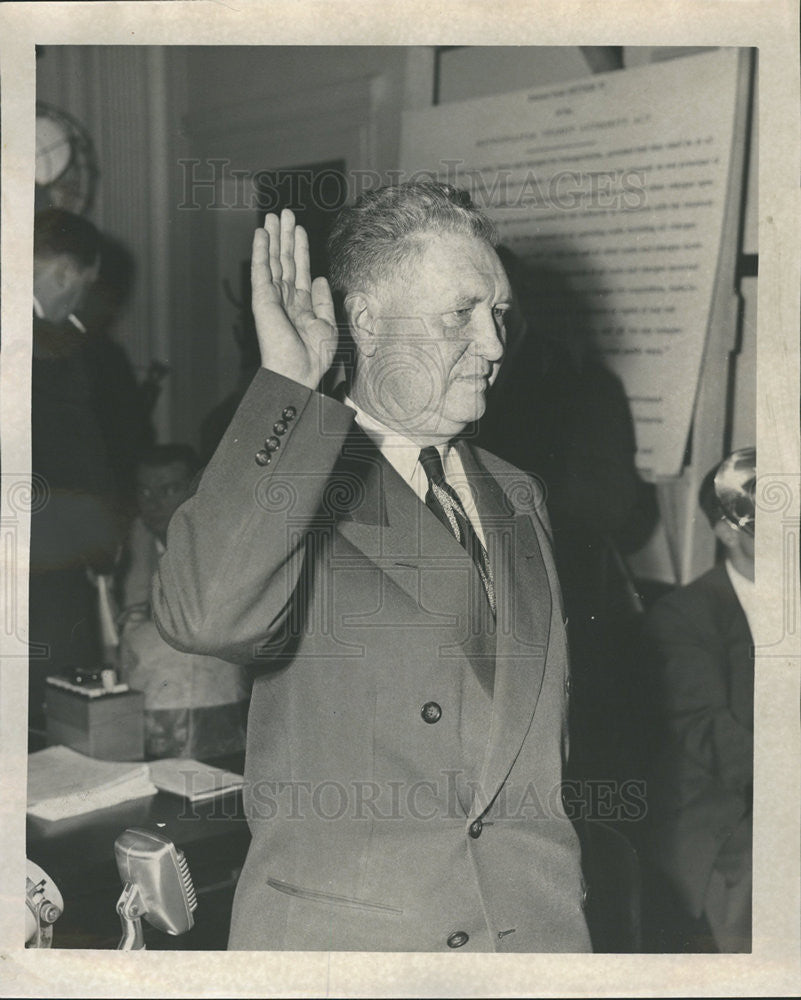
pixel 442 500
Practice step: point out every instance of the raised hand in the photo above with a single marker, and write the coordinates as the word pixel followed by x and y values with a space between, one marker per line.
pixel 294 315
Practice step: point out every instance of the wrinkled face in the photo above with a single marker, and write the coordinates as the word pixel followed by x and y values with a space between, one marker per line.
pixel 160 490
pixel 439 339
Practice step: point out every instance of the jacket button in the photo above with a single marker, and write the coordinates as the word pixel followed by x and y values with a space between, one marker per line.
pixel 272 444
pixel 289 413
pixel 262 458
pixel 279 427
pixel 431 712
pixel 475 829
pixel 457 939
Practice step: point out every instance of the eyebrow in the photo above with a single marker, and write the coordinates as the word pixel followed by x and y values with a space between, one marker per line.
pixel 463 301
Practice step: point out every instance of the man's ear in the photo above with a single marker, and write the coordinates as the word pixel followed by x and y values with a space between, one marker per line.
pixel 360 308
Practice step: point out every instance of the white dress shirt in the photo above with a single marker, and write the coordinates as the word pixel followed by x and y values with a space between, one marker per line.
pixel 404 457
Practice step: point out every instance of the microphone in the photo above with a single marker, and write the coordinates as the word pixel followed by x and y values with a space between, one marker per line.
pixel 43 906
pixel 157 886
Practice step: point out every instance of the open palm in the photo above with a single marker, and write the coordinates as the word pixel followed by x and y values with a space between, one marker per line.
pixel 294 315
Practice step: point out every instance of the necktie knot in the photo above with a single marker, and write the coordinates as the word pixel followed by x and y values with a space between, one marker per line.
pixel 432 465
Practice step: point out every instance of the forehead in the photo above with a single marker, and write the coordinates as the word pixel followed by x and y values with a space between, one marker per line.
pixel 448 267
pixel 173 472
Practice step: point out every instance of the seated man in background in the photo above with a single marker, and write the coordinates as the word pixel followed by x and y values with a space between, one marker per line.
pixel 195 706
pixel 699 641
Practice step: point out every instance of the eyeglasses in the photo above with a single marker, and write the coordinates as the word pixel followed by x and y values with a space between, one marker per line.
pixel 745 523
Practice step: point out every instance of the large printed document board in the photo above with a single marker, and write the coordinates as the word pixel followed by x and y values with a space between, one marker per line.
pixel 620 183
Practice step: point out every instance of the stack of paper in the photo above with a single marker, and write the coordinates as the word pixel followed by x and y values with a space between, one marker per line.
pixel 193 780
pixel 62 783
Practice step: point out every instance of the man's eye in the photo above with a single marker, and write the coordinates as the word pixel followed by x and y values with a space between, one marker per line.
pixel 460 315
pixel 500 311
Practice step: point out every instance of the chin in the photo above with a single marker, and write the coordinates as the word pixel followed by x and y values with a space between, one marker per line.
pixel 474 407
pixel 457 420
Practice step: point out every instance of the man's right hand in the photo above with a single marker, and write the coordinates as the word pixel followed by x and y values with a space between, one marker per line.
pixel 294 316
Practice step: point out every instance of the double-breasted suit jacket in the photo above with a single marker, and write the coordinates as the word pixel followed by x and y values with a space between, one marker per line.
pixel 404 753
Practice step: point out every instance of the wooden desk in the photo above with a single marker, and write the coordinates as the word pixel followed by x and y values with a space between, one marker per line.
pixel 78 854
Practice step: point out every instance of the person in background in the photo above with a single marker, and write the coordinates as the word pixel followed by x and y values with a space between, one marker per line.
pixel 125 420
pixel 699 648
pixel 195 706
pixel 75 521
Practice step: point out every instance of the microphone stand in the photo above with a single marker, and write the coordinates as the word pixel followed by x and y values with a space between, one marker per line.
pixel 129 907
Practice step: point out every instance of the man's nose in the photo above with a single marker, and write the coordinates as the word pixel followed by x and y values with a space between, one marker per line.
pixel 489 336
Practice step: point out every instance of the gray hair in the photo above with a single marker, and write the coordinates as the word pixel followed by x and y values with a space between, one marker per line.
pixel 382 230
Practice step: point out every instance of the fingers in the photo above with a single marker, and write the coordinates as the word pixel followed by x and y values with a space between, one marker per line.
pixel 302 265
pixel 280 268
pixel 322 302
pixel 273 229
pixel 260 276
pixel 287 247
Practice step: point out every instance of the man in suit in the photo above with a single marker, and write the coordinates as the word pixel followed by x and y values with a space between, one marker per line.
pixel 74 522
pixel 394 589
pixel 699 642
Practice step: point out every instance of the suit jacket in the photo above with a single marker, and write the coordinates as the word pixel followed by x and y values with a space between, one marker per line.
pixel 77 523
pixel 404 761
pixel 701 797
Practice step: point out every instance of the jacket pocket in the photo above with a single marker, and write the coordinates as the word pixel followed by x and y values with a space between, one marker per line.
pixel 329 897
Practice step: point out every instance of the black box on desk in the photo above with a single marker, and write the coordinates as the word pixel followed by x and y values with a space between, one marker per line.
pixel 109 726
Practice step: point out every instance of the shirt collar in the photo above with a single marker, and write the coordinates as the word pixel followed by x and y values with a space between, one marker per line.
pixel 401 453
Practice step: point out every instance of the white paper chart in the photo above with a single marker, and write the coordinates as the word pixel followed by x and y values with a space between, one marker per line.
pixel 617 182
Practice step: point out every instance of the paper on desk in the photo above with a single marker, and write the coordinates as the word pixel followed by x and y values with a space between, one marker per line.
pixel 193 780
pixel 63 783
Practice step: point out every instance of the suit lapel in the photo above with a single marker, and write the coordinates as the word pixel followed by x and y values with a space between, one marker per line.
pixel 387 522
pixel 523 594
